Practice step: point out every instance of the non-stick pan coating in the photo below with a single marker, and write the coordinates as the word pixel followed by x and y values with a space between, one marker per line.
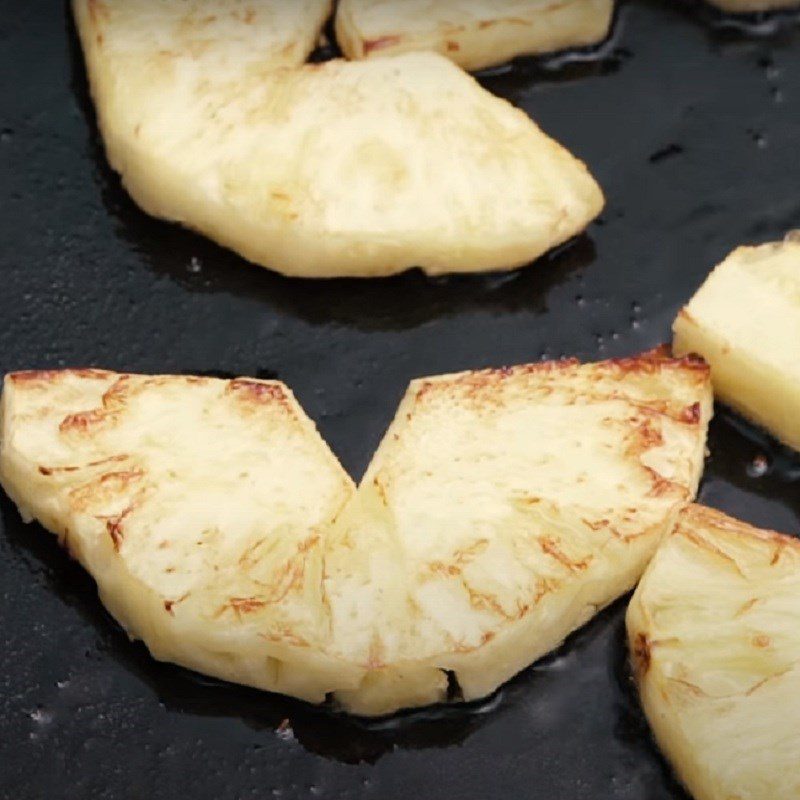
pixel 693 132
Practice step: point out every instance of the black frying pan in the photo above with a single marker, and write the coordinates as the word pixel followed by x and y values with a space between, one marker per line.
pixel 693 130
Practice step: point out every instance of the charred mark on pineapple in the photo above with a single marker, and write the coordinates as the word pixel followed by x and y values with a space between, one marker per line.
pixel 284 635
pixel 661 486
pixel 755 687
pixel 245 605
pixel 747 606
pixel 169 604
pixel 82 421
pixel 257 391
pixel 50 375
pixel 48 471
pixel 114 530
pixel 380 489
pixel 691 414
pixel 381 43
pixel 642 654
pixel 704 544
pixel 552 549
pixel 649 437
pixel 114 526
pixel 97 11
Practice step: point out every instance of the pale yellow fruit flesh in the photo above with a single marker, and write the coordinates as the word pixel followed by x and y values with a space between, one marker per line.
pixel 503 509
pixel 751 6
pixel 472 33
pixel 714 632
pixel 339 169
pixel 199 507
pixel 745 322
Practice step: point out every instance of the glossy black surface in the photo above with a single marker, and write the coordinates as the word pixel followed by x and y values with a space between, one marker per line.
pixel 693 131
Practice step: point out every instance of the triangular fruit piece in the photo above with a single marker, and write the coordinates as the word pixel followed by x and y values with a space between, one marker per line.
pixel 714 632
pixel 199 506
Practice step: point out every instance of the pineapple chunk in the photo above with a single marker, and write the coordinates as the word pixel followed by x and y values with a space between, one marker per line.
pixel 199 507
pixel 714 633
pixel 745 322
pixel 752 6
pixel 473 33
pixel 503 509
pixel 189 37
pixel 338 169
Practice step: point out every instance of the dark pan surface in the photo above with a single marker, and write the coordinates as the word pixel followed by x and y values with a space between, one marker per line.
pixel 692 131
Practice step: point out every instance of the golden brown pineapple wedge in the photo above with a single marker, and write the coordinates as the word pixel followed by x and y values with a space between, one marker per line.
pixel 745 322
pixel 198 505
pixel 503 509
pixel 714 632
pixel 473 33
pixel 751 6
pixel 323 170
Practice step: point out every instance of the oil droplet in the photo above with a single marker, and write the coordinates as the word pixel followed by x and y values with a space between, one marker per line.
pixel 6 135
pixel 758 467
pixel 195 265
pixel 284 731
pixel 759 138
pixel 41 716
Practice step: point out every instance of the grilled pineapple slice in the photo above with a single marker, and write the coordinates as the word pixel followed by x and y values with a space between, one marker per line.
pixel 714 631
pixel 194 40
pixel 473 33
pixel 200 508
pixel 339 169
pixel 752 6
pixel 745 322
pixel 502 510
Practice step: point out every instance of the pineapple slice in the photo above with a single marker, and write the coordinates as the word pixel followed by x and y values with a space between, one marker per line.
pixel 192 38
pixel 752 6
pixel 473 33
pixel 198 505
pixel 338 169
pixel 745 322
pixel 714 632
pixel 503 509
